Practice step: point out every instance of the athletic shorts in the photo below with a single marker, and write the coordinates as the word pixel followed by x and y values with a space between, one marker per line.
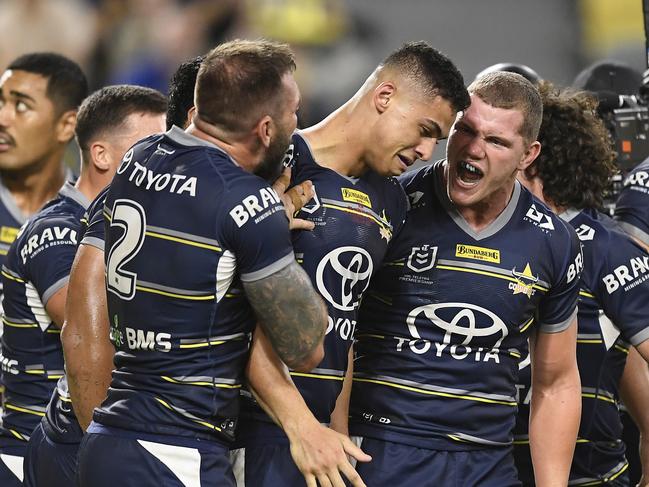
pixel 49 464
pixel 112 457
pixel 12 454
pixel 396 464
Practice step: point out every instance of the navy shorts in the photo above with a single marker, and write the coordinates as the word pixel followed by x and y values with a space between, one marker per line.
pixel 110 457
pixel 12 454
pixel 265 465
pixel 396 464
pixel 49 464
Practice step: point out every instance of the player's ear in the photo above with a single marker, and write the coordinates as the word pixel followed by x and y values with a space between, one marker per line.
pixel 265 130
pixel 383 95
pixel 65 126
pixel 532 152
pixel 100 155
pixel 190 116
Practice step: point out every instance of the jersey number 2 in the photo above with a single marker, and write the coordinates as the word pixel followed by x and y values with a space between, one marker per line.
pixel 130 217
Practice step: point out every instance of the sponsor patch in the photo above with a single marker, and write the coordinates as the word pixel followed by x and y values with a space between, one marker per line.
pixel 356 196
pixel 477 253
pixel 8 234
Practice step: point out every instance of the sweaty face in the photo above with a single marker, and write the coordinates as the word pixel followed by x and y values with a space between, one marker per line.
pixel 285 124
pixel 27 121
pixel 408 131
pixel 485 151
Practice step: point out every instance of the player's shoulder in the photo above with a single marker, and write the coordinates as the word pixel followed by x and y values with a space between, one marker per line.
pixel 541 221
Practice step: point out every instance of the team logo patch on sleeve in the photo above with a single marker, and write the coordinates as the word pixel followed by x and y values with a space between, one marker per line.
pixel 356 196
pixel 524 281
pixel 477 253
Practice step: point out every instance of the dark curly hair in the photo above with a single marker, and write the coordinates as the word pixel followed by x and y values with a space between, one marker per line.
pixel 576 159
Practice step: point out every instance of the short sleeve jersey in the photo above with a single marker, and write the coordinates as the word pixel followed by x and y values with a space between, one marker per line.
pixel 613 313
pixel 355 220
pixel 62 425
pixel 632 206
pixel 37 266
pixel 446 319
pixel 11 219
pixel 185 226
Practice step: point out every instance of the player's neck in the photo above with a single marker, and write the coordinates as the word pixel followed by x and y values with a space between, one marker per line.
pixel 33 187
pixel 237 149
pixel 90 183
pixel 335 143
pixel 482 214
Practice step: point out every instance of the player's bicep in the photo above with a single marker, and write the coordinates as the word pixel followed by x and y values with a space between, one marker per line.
pixel 292 314
pixel 554 355
pixel 55 306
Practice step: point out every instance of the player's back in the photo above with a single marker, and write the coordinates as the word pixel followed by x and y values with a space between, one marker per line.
pixel 179 321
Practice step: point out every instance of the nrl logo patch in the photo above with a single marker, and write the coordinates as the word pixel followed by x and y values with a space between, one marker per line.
pixel 422 258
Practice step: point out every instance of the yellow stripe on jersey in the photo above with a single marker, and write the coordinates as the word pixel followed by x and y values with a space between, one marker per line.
pixel 436 393
pixel 19 325
pixel 369 335
pixel 18 435
pixel 526 325
pixel 598 396
pixel 184 241
pixel 316 376
pixel 605 480
pixel 621 348
pixel 207 297
pixel 586 294
pixel 200 383
pixel 42 372
pixel 4 252
pixel 356 212
pixel 9 276
pixel 23 410
pixel 592 341
pixel 204 423
pixel 486 273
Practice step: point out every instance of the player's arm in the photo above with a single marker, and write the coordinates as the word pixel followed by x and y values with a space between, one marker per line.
pixel 634 391
pixel 555 407
pixel 85 335
pixel 319 452
pixel 340 414
pixel 55 306
pixel 292 315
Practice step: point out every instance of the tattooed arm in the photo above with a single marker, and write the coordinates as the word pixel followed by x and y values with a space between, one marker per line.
pixel 292 314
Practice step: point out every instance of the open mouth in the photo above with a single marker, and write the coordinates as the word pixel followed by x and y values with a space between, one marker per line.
pixel 468 173
pixel 407 162
pixel 6 141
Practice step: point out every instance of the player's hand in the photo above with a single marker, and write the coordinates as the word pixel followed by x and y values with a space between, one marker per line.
pixel 294 199
pixel 321 454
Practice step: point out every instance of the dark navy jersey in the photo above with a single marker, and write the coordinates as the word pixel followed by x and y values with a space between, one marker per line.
pixel 93 228
pixel 446 319
pixel 355 220
pixel 613 313
pixel 62 425
pixel 37 266
pixel 185 226
pixel 632 206
pixel 11 219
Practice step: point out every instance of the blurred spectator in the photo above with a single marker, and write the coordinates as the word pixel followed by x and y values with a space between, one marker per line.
pixel 63 26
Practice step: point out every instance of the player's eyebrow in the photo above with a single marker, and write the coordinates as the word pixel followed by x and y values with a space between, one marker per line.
pixel 434 127
pixel 21 95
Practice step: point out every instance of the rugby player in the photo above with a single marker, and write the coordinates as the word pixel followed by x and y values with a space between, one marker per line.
pixel 632 205
pixel 37 270
pixel 85 333
pixel 406 105
pixel 446 319
pixel 39 97
pixel 570 175
pixel 191 226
